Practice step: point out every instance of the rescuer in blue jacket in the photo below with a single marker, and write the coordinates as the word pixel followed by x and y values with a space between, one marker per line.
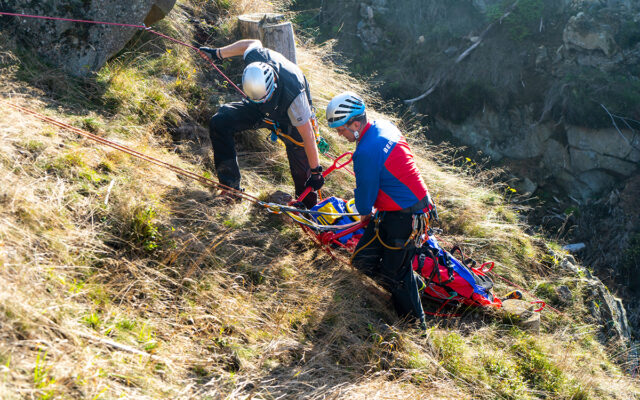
pixel 389 183
pixel 278 96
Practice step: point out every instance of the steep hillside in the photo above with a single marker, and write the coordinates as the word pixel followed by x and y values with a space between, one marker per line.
pixel 547 89
pixel 121 279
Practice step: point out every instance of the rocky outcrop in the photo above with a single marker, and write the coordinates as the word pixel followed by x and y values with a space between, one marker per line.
pixel 584 33
pixel 80 48
pixel 367 29
pixel 577 151
pixel 158 11
pixel 607 311
pixel 585 161
pixel 521 313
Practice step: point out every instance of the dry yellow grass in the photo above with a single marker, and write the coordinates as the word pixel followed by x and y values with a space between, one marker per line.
pixel 163 291
pixel 68 293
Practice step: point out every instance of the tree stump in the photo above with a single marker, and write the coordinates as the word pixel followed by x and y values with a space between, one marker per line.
pixel 272 30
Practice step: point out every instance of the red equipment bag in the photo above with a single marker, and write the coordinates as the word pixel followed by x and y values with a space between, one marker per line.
pixel 453 280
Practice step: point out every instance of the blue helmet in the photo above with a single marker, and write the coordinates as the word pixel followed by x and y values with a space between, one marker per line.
pixel 343 108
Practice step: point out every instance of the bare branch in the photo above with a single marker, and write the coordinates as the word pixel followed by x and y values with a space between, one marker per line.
pixel 613 120
pixel 464 54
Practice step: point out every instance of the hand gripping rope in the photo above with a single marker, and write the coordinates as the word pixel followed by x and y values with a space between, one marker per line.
pixel 338 163
pixel 326 236
pixel 294 213
pixel 324 239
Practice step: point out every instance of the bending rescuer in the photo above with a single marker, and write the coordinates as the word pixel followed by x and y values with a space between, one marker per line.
pixel 388 179
pixel 278 97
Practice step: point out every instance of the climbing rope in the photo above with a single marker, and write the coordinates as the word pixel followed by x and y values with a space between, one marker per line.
pixel 420 227
pixel 272 207
pixel 323 146
pixel 541 302
pixel 134 153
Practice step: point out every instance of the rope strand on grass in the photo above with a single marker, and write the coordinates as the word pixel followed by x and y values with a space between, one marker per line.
pixel 134 153
pixel 272 207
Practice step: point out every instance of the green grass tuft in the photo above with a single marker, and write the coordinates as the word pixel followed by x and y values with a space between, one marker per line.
pixel 145 229
pixel 536 368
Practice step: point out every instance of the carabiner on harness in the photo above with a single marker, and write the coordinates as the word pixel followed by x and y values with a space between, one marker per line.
pixel 323 145
pixel 275 129
pixel 419 231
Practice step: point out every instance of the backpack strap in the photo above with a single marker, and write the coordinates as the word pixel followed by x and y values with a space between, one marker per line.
pixel 468 262
pixel 434 259
pixel 434 276
pixel 421 259
pixel 448 264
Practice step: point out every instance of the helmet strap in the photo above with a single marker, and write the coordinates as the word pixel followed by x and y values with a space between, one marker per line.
pixel 356 134
pixel 275 86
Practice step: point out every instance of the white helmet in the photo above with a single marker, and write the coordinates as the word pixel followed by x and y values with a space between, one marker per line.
pixel 259 82
pixel 343 107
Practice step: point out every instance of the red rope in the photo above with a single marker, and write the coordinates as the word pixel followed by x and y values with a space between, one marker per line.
pixel 132 26
pixel 435 314
pixel 439 314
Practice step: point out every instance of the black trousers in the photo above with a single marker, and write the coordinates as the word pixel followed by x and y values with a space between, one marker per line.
pixel 240 116
pixel 391 268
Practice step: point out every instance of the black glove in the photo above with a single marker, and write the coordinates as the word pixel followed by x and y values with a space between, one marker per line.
pixel 315 181
pixel 212 52
pixel 432 210
pixel 433 214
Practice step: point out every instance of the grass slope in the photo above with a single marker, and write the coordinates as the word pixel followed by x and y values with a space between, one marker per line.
pixel 122 280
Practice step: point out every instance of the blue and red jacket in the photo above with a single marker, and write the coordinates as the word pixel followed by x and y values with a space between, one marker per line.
pixel 387 177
